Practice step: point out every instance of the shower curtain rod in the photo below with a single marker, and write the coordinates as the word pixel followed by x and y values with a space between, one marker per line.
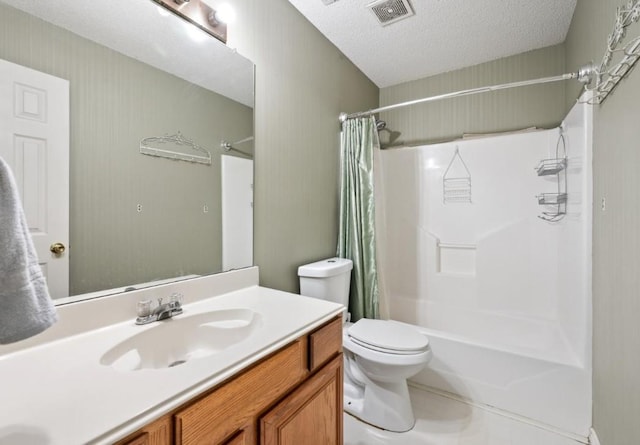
pixel 583 75
pixel 228 146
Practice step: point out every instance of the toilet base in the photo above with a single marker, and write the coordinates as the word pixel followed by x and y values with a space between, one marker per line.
pixel 381 404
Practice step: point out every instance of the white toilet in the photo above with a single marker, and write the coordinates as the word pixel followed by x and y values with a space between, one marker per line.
pixel 379 355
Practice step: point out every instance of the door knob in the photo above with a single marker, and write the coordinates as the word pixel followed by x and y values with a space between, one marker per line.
pixel 57 248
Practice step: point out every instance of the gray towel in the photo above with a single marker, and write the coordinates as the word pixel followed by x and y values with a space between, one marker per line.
pixel 25 306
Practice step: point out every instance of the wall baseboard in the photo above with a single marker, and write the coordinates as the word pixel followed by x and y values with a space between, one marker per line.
pixel 593 437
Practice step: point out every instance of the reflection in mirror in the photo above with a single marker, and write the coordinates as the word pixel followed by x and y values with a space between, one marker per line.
pixel 135 73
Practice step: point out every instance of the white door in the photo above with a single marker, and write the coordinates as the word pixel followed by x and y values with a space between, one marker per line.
pixel 34 141
pixel 237 212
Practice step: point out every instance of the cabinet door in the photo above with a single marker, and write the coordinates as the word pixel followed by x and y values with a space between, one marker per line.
pixel 239 439
pixel 229 415
pixel 311 415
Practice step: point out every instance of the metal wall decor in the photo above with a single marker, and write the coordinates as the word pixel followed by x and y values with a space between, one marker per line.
pixel 609 74
pixel 154 146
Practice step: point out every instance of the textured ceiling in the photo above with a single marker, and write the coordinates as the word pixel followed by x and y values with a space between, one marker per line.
pixel 442 36
pixel 138 30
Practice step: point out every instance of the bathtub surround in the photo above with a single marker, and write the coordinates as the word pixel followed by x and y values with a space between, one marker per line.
pixel 501 335
pixel 357 231
pixel 25 306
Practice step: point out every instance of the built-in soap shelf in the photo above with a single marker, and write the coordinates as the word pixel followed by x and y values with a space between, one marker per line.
pixel 555 166
pixel 456 259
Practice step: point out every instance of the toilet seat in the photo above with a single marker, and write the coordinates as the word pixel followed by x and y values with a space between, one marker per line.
pixel 387 337
pixel 383 350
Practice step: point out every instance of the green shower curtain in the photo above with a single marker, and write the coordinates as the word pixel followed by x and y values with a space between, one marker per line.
pixel 357 240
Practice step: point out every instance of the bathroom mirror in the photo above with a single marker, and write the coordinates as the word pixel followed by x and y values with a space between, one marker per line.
pixel 136 71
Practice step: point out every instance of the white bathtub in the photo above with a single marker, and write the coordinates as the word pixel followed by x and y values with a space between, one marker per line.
pixel 553 393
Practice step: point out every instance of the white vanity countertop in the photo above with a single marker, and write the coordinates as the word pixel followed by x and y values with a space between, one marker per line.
pixel 60 393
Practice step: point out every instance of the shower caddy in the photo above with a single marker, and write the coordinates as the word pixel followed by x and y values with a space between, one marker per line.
pixel 457 189
pixel 555 166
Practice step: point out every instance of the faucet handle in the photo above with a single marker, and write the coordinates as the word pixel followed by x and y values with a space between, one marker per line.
pixel 176 297
pixel 143 308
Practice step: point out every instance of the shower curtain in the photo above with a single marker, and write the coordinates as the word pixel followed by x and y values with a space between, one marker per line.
pixel 356 239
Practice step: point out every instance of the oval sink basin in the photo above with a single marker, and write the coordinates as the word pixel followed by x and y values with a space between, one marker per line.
pixel 179 340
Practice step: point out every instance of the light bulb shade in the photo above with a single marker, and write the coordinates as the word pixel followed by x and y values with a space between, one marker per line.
pixel 224 12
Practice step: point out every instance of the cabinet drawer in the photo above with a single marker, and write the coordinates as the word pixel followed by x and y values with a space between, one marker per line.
pixel 325 343
pixel 231 410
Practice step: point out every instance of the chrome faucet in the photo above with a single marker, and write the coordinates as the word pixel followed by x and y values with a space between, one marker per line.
pixel 161 312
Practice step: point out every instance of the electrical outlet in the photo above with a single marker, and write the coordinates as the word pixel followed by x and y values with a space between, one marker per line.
pixel 603 204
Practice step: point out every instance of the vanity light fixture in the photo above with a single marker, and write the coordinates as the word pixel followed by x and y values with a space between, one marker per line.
pixel 222 13
pixel 201 14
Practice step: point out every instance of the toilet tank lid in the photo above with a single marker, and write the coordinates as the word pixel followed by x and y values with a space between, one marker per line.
pixel 325 268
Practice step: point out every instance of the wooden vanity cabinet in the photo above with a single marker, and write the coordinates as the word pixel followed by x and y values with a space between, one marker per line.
pixel 310 415
pixel 293 396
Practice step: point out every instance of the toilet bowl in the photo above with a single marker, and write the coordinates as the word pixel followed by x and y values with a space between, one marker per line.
pixel 379 355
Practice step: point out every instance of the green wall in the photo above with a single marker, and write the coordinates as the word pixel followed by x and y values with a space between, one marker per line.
pixel 302 84
pixel 616 231
pixel 539 105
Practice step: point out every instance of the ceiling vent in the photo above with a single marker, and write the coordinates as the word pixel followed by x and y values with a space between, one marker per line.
pixel 390 11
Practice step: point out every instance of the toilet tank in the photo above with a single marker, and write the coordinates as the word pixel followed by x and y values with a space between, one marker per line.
pixel 327 279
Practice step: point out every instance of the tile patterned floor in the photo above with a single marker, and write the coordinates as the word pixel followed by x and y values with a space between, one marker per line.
pixel 444 421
